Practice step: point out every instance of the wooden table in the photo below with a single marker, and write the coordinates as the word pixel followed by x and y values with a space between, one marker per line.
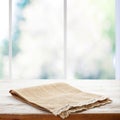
pixel 12 109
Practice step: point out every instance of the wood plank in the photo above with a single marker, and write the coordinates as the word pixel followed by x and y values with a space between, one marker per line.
pixel 10 108
pixel 52 117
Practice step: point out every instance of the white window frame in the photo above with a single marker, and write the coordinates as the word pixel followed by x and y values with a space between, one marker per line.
pixel 10 39
pixel 117 57
pixel 117 61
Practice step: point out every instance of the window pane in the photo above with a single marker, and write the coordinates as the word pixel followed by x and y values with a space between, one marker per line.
pixel 91 39
pixel 4 44
pixel 38 39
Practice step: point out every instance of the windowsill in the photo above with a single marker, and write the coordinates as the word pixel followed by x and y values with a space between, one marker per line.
pixel 10 108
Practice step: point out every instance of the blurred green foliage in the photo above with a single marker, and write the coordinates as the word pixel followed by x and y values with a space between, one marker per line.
pixel 4 48
pixel 108 9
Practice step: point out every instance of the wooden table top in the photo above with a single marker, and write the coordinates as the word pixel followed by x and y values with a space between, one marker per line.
pixel 10 108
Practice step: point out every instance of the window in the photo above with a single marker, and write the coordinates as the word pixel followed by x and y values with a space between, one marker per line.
pixel 4 35
pixel 53 39
pixel 91 39
pixel 38 46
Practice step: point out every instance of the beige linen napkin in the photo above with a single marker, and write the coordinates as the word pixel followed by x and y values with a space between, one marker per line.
pixel 59 98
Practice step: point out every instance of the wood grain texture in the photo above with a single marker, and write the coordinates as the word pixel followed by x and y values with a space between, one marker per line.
pixel 12 109
pixel 71 117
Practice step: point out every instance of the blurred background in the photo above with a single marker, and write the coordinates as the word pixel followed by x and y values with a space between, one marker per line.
pixel 4 33
pixel 38 44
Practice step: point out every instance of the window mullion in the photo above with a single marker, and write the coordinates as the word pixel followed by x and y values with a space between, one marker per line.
pixel 10 39
pixel 65 39
pixel 117 7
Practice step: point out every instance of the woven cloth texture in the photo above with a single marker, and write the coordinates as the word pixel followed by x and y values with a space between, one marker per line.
pixel 60 99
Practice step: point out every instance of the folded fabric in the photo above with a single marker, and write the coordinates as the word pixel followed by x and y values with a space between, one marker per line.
pixel 59 98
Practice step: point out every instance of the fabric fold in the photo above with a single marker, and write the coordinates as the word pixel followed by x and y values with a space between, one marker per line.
pixel 61 99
